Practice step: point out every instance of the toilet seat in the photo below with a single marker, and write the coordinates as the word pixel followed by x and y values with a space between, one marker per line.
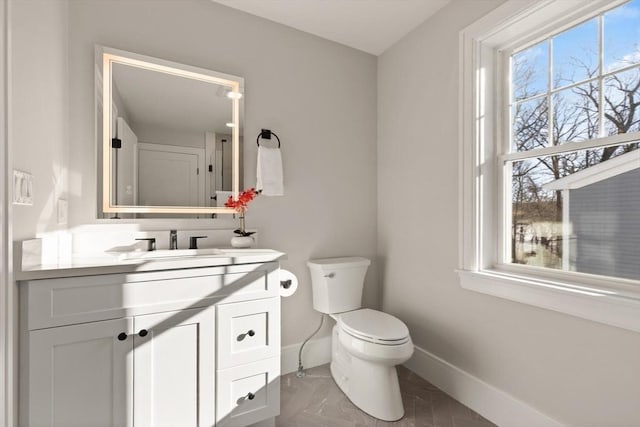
pixel 374 326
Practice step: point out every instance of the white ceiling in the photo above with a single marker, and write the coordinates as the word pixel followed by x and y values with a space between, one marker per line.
pixel 368 25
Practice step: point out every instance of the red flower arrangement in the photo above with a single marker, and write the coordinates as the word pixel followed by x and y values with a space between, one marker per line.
pixel 241 205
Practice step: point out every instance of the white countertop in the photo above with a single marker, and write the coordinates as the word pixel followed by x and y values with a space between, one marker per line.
pixel 114 263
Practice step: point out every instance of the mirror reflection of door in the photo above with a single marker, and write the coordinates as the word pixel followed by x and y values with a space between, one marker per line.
pixel 170 175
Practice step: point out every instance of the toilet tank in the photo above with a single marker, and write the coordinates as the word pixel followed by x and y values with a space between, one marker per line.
pixel 337 283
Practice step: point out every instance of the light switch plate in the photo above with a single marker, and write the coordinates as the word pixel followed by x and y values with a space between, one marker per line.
pixel 22 188
pixel 63 212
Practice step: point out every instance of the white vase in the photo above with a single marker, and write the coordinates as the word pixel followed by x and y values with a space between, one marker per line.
pixel 242 241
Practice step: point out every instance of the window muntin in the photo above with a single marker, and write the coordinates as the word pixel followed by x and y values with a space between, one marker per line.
pixel 568 94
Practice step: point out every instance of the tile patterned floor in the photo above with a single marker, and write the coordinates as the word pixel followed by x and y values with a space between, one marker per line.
pixel 316 401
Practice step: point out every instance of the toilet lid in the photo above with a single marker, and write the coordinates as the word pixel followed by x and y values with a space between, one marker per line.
pixel 374 326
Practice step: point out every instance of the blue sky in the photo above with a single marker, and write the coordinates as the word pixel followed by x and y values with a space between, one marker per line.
pixel 580 44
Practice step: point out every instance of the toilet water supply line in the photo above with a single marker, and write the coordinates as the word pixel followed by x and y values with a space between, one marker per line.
pixel 300 372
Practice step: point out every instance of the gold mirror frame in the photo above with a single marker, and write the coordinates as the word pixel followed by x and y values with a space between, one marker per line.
pixel 235 84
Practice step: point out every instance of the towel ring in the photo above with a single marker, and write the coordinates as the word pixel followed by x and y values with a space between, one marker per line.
pixel 266 134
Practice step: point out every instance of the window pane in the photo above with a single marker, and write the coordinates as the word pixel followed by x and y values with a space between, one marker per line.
pixel 536 226
pixel 575 113
pixel 597 192
pixel 530 70
pixel 622 36
pixel 530 124
pixel 622 102
pixel 575 54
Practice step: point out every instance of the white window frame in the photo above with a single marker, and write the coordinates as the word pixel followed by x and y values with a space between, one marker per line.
pixel 484 48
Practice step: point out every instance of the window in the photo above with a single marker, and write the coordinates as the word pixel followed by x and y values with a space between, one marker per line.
pixel 568 94
pixel 550 157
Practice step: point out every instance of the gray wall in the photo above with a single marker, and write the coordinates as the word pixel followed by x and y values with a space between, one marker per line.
pixel 576 371
pixel 318 96
pixel 606 226
pixel 39 106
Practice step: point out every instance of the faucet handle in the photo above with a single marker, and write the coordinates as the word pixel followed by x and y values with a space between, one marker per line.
pixel 151 243
pixel 193 241
pixel 173 239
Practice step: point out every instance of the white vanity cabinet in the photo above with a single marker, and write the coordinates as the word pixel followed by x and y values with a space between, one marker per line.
pixel 190 347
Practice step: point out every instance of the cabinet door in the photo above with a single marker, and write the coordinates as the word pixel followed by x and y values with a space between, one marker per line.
pixel 174 368
pixel 80 375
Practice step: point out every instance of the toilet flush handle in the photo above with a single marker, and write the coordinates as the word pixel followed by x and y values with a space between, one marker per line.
pixel 330 275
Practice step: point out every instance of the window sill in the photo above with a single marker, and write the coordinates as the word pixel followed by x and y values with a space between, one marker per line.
pixel 603 306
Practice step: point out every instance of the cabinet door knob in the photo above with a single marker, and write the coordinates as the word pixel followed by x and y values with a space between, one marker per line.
pixel 251 396
pixel 251 333
pixel 122 336
pixel 143 332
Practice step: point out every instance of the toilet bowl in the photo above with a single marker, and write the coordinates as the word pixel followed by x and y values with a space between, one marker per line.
pixel 364 360
pixel 366 344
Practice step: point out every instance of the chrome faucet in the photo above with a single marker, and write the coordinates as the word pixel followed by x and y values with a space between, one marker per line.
pixel 173 239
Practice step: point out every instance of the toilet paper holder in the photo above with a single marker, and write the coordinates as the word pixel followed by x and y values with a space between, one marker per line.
pixel 288 283
pixel 285 283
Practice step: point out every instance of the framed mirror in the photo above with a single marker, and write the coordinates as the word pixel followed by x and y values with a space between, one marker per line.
pixel 171 136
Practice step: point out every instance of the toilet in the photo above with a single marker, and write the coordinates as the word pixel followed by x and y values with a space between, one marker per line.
pixel 366 344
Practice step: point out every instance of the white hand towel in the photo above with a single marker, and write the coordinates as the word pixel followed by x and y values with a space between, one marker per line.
pixel 269 173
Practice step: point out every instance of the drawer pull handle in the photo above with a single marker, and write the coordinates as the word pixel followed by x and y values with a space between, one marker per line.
pixel 330 275
pixel 251 396
pixel 143 332
pixel 122 336
pixel 249 333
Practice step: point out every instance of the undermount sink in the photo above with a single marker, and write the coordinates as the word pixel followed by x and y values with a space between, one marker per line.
pixel 170 253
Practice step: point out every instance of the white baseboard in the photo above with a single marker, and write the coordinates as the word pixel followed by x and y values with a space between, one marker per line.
pixel 492 403
pixel 316 353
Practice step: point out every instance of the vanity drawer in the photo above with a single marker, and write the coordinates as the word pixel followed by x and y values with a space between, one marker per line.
pixel 248 331
pixel 248 394
pixel 58 302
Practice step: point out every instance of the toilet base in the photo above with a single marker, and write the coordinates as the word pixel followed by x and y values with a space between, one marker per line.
pixel 371 386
